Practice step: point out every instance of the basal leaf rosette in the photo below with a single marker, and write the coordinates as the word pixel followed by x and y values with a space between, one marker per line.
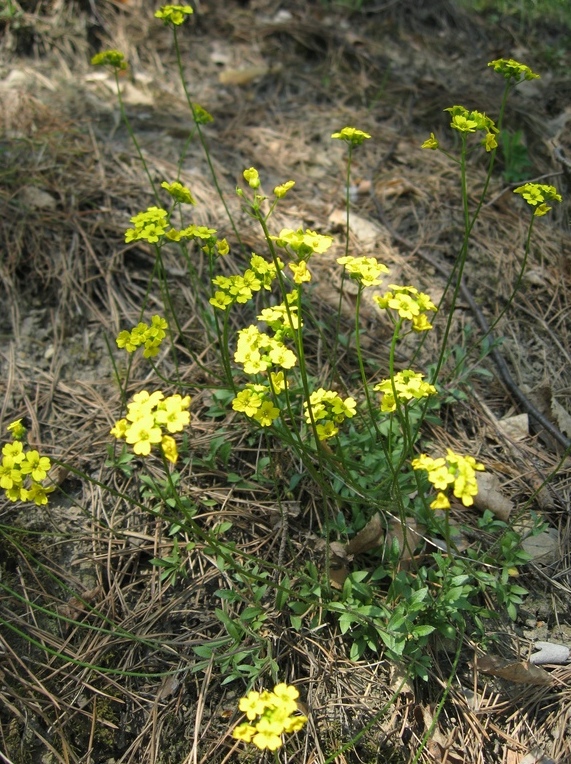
pixel 151 420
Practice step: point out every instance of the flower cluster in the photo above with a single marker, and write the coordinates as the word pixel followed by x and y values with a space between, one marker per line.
pixel 513 69
pixel 173 14
pixel 195 232
pixel 150 225
pixel 303 243
pixel 256 402
pixel 466 121
pixel 179 193
pixel 269 714
pixel 143 334
pixel 408 385
pixel 23 472
pixel 365 270
pixel 409 304
pixel 258 352
pixel 240 288
pixel 112 58
pixel 328 410
pixel 537 194
pixel 146 417
pixel 454 469
pixel 351 135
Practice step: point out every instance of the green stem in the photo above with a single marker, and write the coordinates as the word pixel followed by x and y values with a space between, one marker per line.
pixel 134 138
pixel 203 142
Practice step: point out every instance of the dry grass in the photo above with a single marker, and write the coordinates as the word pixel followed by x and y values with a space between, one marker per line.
pixel 96 653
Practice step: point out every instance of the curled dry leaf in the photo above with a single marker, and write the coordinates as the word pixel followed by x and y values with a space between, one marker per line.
pixel 408 537
pixel 246 75
pixel 369 537
pixel 490 497
pixel 519 672
pixel 515 428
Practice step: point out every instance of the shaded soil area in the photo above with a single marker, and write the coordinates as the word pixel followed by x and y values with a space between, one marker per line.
pixel 97 658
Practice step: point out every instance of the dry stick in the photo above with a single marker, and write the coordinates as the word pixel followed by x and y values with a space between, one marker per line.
pixel 482 322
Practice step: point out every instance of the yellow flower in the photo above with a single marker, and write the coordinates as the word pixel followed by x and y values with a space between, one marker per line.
pixel 430 143
pixel 440 502
pixel 179 193
pixel 16 429
pixel 252 177
pixel 536 194
pixel 300 272
pixel 244 732
pixel 247 401
pixel 490 142
pixel 303 243
pixel 365 270
pixel 112 58
pixel 173 14
pixel 252 705
pixel 512 69
pixel 267 735
pixel 36 493
pixel 281 191
pixel 36 466
pixel 119 430
pixel 14 452
pixel 222 247
pixel 266 414
pixel 172 413
pixel 142 434
pixel 351 135
pixel 169 448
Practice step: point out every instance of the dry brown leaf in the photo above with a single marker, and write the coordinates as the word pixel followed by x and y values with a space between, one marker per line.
pixel 242 76
pixel 519 672
pixel 337 577
pixel 408 538
pixel 543 548
pixel 489 496
pixel 515 427
pixel 370 537
pixel 562 418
